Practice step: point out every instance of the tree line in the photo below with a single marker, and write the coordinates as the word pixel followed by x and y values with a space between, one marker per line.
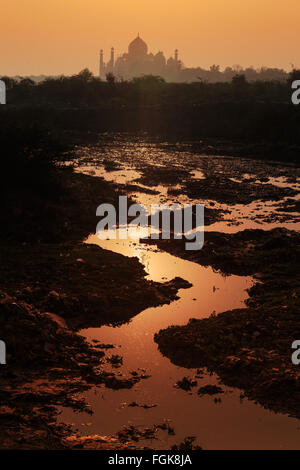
pixel 84 89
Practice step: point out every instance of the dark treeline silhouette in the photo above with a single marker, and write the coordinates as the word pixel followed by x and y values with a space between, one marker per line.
pixel 86 90
pixel 249 112
pixel 215 74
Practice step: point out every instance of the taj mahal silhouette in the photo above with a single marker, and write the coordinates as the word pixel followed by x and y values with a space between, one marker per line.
pixel 137 62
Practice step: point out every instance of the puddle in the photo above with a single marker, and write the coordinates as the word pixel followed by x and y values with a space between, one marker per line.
pixel 231 423
pixel 134 157
pixel 117 176
pixel 257 215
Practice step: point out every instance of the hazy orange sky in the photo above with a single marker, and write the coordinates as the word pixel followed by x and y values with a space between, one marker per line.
pixel 64 36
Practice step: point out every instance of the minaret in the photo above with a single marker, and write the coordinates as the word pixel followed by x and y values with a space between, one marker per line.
pixel 176 55
pixel 112 58
pixel 102 66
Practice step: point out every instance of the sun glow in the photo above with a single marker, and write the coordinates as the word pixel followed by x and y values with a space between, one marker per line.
pixel 64 36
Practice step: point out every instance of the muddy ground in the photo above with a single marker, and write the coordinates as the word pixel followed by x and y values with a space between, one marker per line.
pixel 186 172
pixel 249 348
pixel 52 285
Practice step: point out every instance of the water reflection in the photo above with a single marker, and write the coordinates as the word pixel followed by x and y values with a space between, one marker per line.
pixel 230 424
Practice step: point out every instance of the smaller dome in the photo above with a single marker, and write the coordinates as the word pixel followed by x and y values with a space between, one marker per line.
pixel 138 47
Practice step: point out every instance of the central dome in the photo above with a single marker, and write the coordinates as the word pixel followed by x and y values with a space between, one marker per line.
pixel 138 47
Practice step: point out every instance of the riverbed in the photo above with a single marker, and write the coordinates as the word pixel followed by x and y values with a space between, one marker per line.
pixel 224 420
